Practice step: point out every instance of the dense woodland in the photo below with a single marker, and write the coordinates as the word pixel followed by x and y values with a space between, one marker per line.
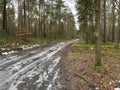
pixel 36 19
pixel 109 20
pixel 99 21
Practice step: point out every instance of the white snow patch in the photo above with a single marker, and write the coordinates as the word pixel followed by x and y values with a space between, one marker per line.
pixel 55 62
pixel 45 76
pixel 117 88
pixel 40 80
pixel 10 52
pixel 16 67
pixel 53 80
pixel 32 73
pixel 3 49
pixel 96 88
pixel 26 47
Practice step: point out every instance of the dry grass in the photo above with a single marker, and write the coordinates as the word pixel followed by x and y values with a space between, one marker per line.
pixel 85 76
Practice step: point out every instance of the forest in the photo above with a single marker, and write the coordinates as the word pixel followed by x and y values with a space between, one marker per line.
pixel 48 48
pixel 36 19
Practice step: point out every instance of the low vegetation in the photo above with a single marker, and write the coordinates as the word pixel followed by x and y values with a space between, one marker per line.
pixel 81 60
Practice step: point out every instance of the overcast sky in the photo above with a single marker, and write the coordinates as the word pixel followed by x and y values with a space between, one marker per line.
pixel 71 4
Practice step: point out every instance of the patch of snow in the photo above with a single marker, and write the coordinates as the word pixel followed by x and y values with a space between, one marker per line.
pixel 117 88
pixel 96 88
pixel 45 76
pixel 110 83
pixel 10 52
pixel 55 62
pixel 26 47
pixel 50 86
pixel 32 73
pixel 3 49
pixel 18 44
pixel 13 44
pixel 91 48
pixel 5 53
pixel 27 68
pixel 16 67
pixel 40 80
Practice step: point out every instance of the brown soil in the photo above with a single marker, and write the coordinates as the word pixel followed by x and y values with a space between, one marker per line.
pixel 78 72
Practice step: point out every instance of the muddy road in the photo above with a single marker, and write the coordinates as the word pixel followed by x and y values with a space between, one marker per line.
pixel 33 70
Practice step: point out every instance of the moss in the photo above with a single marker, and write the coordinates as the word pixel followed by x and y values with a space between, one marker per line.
pixel 99 67
pixel 99 63
pixel 110 49
pixel 80 46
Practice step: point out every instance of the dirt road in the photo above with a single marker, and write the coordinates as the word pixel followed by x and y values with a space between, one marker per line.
pixel 34 70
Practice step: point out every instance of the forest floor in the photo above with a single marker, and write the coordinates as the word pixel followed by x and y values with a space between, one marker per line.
pixel 60 65
pixel 79 73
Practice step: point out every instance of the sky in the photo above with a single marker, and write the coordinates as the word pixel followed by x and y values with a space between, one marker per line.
pixel 71 4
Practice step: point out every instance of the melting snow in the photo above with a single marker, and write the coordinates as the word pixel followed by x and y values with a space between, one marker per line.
pixel 10 52
pixel 55 62
pixel 117 88
pixel 26 47
pixel 53 80
pixel 29 69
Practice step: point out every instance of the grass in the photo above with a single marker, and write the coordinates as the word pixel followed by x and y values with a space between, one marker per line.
pixel 100 68
pixel 81 60
pixel 80 47
pixel 106 49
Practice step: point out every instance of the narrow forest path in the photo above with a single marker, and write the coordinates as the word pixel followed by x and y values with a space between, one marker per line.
pixel 36 69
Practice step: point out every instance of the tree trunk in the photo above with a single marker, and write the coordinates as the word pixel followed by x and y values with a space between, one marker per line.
pixel 39 19
pixel 44 17
pixel 97 34
pixel 113 27
pixel 118 36
pixel 4 21
pixel 29 16
pixel 24 14
pixel 104 37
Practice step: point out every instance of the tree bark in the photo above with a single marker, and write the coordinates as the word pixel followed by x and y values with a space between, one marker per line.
pixel 113 25
pixel 118 36
pixel 24 14
pixel 29 15
pixel 97 34
pixel 104 37
pixel 4 21
pixel 39 20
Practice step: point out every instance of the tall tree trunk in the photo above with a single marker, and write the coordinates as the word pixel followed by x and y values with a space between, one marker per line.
pixel 4 21
pixel 39 20
pixel 104 6
pixel 97 34
pixel 113 25
pixel 118 36
pixel 24 14
pixel 44 31
pixel 50 18
pixel 29 15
